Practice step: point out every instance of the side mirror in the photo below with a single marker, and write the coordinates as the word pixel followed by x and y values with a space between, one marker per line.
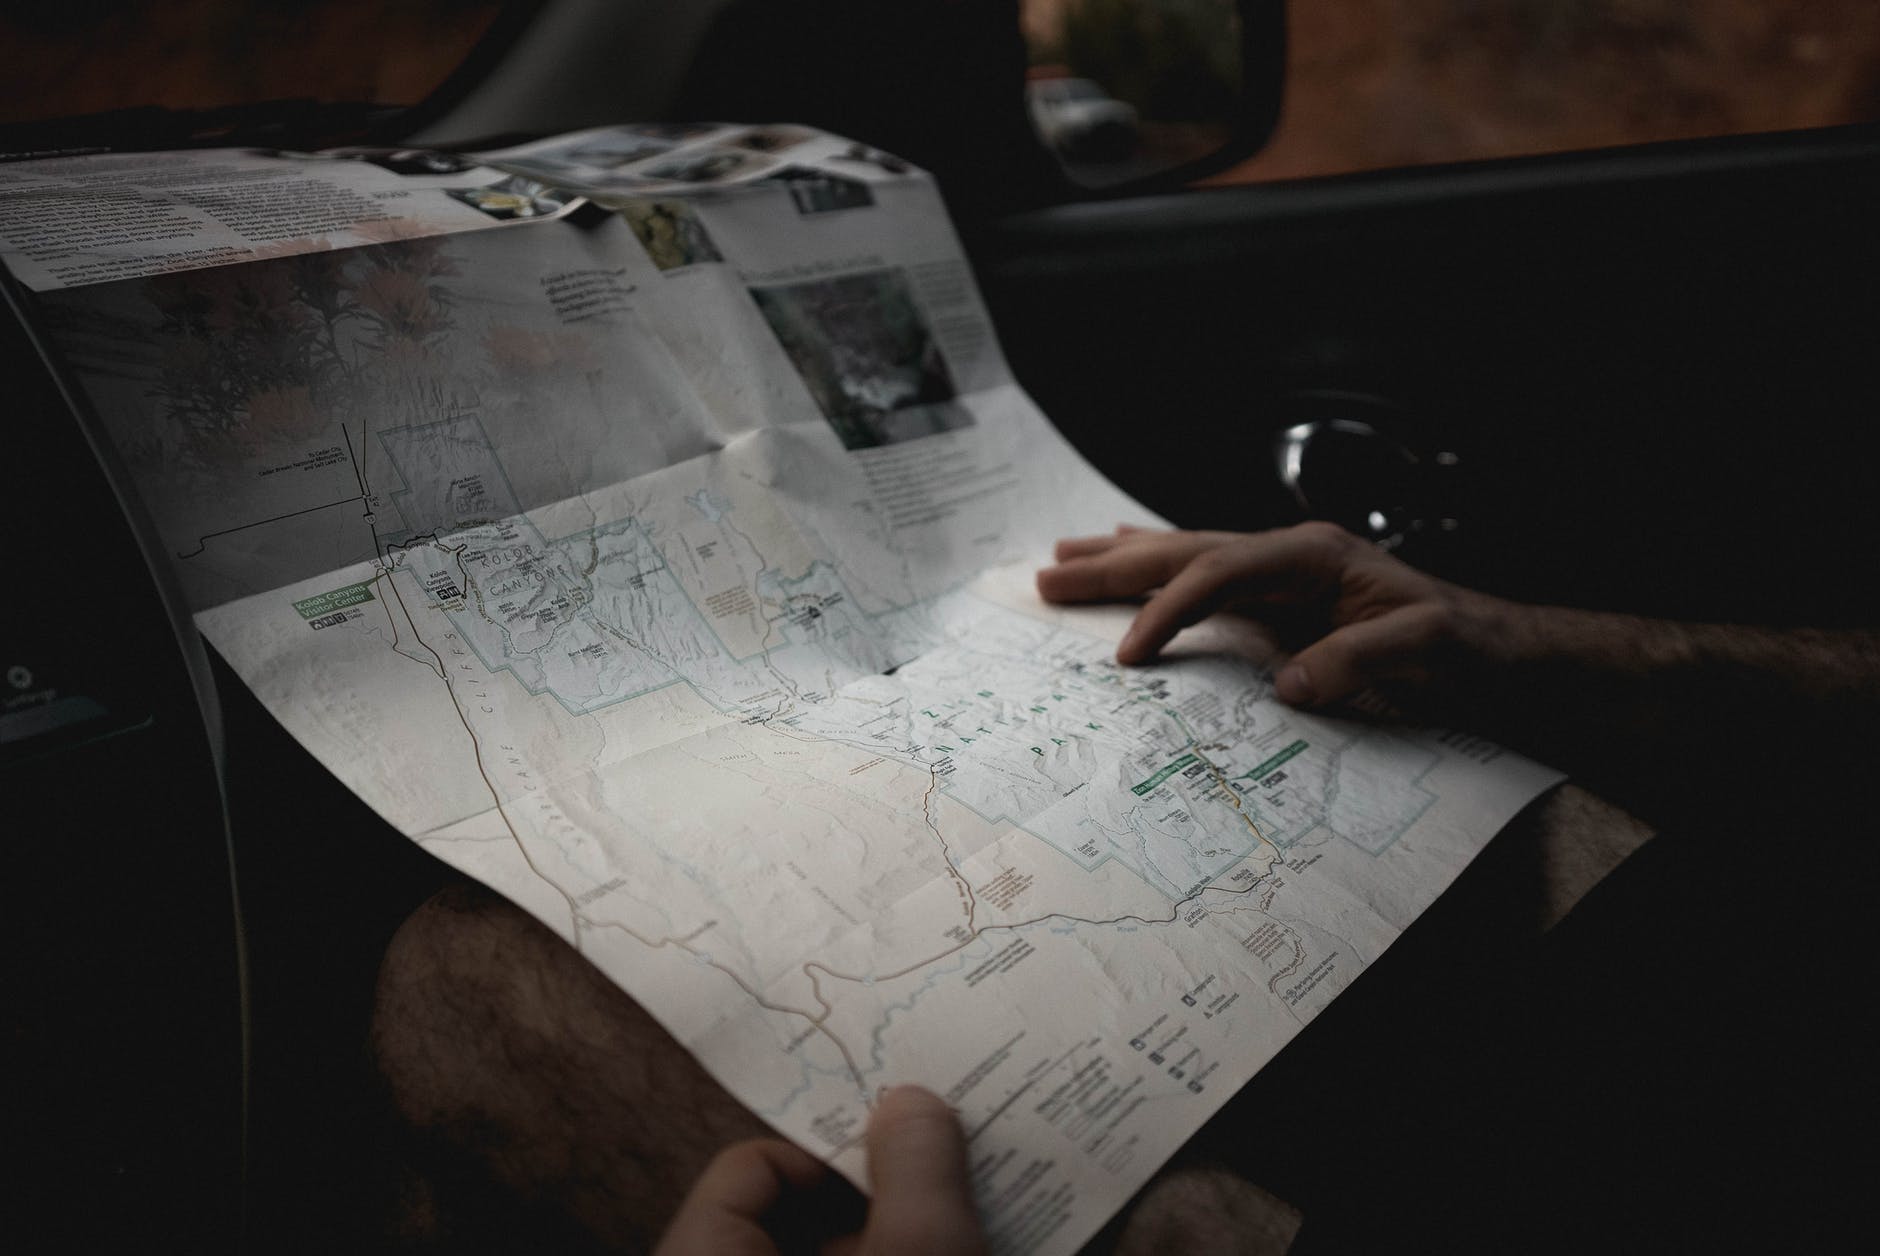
pixel 1129 95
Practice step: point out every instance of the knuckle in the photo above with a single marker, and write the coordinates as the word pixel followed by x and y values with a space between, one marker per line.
pixel 1429 624
pixel 1230 557
pixel 1326 535
pixel 1219 560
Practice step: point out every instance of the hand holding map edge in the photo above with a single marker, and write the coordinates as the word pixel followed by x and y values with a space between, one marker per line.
pixel 922 1203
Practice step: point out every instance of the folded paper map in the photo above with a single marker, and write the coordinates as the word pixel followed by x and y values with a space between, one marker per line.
pixel 642 521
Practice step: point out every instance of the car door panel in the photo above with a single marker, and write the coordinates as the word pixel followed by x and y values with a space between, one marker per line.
pixel 1654 368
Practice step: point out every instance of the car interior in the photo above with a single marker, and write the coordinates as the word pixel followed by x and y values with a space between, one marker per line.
pixel 1638 377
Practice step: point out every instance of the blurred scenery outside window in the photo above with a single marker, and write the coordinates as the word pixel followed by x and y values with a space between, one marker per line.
pixel 1122 88
pixel 1117 87
pixel 68 58
pixel 1376 84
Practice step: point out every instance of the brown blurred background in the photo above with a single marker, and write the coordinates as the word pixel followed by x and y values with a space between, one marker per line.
pixel 1372 83
pixel 62 59
pixel 1375 83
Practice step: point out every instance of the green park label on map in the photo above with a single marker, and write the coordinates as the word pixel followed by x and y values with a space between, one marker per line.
pixel 1261 771
pixel 337 600
pixel 1163 775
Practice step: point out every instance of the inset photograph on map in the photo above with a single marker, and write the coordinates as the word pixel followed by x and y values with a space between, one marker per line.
pixel 615 150
pixel 863 155
pixel 818 192
pixel 514 197
pixel 671 233
pixel 867 356
pixel 410 161
pixel 710 166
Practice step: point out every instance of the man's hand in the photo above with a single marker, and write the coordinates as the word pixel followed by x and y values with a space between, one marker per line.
pixel 922 1202
pixel 1367 617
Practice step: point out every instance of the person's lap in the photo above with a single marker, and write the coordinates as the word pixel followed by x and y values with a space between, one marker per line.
pixel 537 1098
pixel 1682 1065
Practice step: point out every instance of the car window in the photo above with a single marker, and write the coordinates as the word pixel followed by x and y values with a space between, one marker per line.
pixel 1138 86
pixel 1118 88
pixel 1376 84
pixel 1373 84
pixel 68 60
